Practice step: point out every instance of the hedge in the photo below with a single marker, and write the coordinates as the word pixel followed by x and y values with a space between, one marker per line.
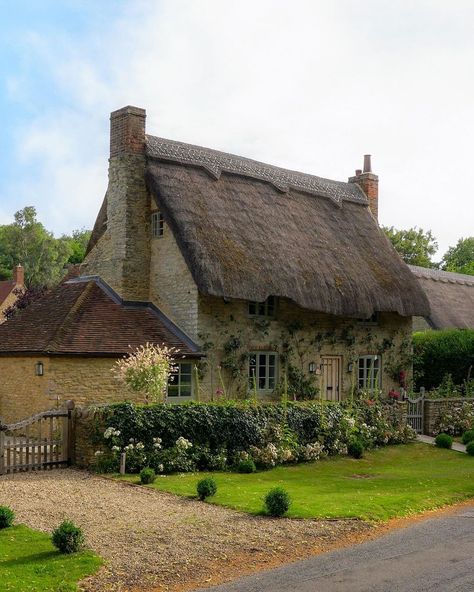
pixel 438 353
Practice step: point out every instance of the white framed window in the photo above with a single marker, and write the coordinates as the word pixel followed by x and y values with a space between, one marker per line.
pixel 180 382
pixel 262 368
pixel 369 372
pixel 263 309
pixel 157 224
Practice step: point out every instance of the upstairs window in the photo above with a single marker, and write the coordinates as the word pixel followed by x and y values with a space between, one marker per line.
pixel 262 368
pixel 263 309
pixel 180 382
pixel 369 377
pixel 157 224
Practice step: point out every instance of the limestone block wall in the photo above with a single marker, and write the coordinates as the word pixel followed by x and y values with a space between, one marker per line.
pixel 172 287
pixel 306 335
pixel 85 380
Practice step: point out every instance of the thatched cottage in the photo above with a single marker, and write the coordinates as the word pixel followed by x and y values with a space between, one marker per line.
pixel 279 279
pixel 451 299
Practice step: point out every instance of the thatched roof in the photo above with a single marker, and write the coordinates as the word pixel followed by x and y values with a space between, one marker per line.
pixel 84 316
pixel 248 230
pixel 451 297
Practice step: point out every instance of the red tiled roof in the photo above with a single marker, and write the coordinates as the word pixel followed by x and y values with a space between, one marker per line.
pixel 85 316
pixel 5 289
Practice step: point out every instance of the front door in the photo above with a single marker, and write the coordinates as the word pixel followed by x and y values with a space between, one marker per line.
pixel 331 377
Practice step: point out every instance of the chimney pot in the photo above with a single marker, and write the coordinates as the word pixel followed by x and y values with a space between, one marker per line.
pixel 19 275
pixel 358 172
pixel 367 164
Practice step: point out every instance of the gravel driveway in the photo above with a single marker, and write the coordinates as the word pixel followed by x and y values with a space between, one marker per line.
pixel 154 540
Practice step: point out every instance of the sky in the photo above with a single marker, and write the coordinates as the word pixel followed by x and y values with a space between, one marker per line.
pixel 311 85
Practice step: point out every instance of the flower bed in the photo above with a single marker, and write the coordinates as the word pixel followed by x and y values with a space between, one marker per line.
pixel 456 419
pixel 197 436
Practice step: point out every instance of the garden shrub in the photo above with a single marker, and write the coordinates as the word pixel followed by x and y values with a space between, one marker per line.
pixel 444 441
pixel 438 353
pixel 470 448
pixel 68 538
pixel 206 488
pixel 277 501
pixel 355 448
pixel 147 476
pixel 7 515
pixel 455 420
pixel 468 436
pixel 246 466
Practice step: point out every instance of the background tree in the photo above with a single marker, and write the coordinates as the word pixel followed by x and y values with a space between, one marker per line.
pixel 461 257
pixel 44 257
pixel 415 246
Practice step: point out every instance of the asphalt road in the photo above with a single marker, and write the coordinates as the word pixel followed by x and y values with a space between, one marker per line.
pixel 435 555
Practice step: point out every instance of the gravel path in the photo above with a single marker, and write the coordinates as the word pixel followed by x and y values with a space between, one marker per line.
pixel 154 540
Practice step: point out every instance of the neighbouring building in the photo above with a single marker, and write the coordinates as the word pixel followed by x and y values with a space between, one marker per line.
pixel 451 299
pixel 270 278
pixel 10 290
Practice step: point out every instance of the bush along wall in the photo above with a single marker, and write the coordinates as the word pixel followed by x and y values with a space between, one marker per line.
pixel 207 436
pixel 438 354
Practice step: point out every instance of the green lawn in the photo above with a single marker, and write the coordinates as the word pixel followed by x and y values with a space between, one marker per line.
pixel 30 563
pixel 388 482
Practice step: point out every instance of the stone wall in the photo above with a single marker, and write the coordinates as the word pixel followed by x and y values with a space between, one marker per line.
pixel 307 335
pixel 85 380
pixel 433 408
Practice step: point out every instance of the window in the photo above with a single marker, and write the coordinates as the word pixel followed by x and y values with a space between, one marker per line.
pixel 262 366
pixel 369 372
pixel 372 320
pixel 263 309
pixel 180 382
pixel 157 224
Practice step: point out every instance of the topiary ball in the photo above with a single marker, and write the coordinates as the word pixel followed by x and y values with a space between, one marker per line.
pixel 246 466
pixel 468 436
pixel 7 515
pixel 355 449
pixel 147 476
pixel 444 441
pixel 68 538
pixel 277 502
pixel 206 488
pixel 470 448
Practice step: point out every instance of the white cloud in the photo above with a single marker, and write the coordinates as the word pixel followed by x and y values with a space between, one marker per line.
pixel 311 85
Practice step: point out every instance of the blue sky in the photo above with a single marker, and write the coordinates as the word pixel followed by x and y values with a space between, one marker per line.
pixel 307 84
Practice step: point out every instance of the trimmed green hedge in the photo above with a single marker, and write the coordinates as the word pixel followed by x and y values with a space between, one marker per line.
pixel 438 353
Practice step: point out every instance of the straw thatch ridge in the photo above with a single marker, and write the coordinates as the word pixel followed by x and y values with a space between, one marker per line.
pixel 243 238
pixel 451 297
pixel 100 226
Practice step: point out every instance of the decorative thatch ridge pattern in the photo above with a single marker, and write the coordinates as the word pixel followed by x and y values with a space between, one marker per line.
pixel 451 297
pixel 216 163
pixel 244 239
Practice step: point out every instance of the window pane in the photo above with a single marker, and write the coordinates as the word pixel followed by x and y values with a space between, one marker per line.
pixel 252 308
pixel 185 391
pixel 173 391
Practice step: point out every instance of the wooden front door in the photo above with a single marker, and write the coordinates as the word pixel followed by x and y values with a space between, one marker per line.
pixel 331 377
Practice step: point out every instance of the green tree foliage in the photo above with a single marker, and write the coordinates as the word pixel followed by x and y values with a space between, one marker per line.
pixel 27 242
pixel 415 246
pixel 461 257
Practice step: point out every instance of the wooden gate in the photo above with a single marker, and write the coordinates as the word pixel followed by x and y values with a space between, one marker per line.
pixel 415 415
pixel 40 442
pixel 331 377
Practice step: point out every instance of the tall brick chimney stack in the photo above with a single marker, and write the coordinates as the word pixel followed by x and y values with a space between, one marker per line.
pixel 369 183
pixel 19 275
pixel 127 131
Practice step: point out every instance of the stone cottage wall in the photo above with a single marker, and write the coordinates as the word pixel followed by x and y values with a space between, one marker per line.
pixel 308 336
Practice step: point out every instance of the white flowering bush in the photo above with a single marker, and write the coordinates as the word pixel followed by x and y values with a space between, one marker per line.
pixel 147 370
pixel 311 451
pixel 455 420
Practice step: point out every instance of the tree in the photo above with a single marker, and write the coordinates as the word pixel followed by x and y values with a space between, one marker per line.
pixel 25 297
pixel 415 246
pixel 461 257
pixel 77 242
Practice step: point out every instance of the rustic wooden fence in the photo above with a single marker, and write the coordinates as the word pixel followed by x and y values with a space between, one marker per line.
pixel 41 442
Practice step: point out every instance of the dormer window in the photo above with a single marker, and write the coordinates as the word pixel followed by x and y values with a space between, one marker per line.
pixel 157 224
pixel 263 309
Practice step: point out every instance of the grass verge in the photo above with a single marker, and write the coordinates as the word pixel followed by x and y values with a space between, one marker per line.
pixel 29 562
pixel 390 482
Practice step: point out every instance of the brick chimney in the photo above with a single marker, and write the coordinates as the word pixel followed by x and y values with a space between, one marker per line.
pixel 123 260
pixel 19 275
pixel 369 183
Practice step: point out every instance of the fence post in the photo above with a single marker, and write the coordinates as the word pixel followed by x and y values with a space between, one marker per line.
pixel 2 451
pixel 68 433
pixel 123 456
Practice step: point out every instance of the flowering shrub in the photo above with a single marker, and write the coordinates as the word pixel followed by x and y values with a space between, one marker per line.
pixel 455 420
pixel 147 370
pixel 217 436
